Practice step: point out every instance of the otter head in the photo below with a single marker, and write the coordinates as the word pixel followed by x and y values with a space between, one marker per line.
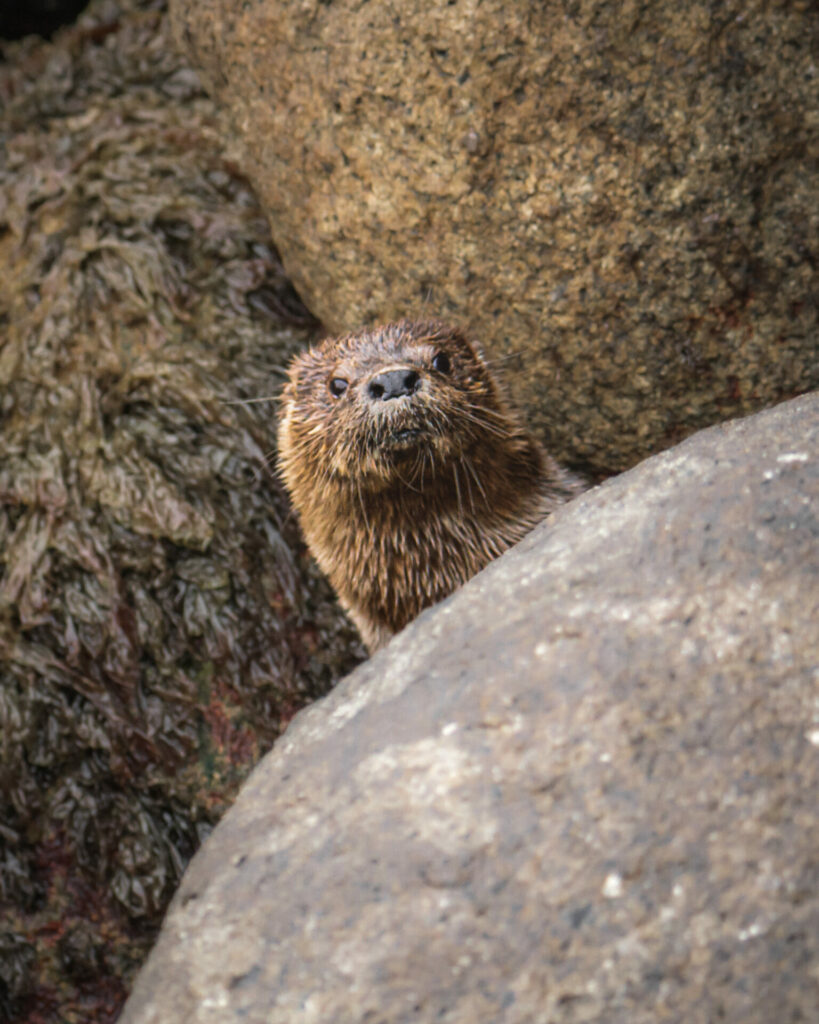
pixel 397 404
pixel 407 469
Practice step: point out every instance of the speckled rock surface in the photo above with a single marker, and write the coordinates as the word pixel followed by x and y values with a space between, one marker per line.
pixel 581 789
pixel 623 194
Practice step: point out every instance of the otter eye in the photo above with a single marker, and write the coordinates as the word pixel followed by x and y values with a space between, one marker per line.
pixel 338 385
pixel 440 362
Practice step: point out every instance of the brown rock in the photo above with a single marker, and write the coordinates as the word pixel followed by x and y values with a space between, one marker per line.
pixel 581 789
pixel 623 194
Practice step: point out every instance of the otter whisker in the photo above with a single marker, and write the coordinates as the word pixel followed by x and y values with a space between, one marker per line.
pixel 499 360
pixel 484 424
pixel 488 415
pixel 458 489
pixel 361 502
pixel 471 470
pixel 468 488
pixel 425 456
pixel 406 483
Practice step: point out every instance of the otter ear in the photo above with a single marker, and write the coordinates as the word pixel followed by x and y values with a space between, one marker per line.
pixel 477 348
pixel 463 335
pixel 304 373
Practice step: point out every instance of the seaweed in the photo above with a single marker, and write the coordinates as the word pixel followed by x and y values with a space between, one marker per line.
pixel 160 620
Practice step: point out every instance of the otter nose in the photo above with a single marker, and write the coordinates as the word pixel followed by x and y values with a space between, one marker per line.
pixel 393 384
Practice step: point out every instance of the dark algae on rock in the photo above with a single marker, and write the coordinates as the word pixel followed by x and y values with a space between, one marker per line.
pixel 159 620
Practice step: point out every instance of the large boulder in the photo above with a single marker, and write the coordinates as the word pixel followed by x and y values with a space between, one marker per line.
pixel 581 789
pixel 622 194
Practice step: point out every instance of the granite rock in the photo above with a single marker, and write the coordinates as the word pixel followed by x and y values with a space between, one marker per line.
pixel 581 789
pixel 619 200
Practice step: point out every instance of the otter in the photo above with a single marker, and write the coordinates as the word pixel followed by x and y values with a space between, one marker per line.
pixel 407 468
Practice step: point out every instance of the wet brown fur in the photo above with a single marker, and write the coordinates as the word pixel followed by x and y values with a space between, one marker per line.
pixel 398 521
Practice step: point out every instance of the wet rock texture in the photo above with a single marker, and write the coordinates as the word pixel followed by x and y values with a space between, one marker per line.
pixel 624 195
pixel 581 789
pixel 159 621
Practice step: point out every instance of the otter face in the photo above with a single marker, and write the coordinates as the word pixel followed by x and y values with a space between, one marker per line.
pixel 395 403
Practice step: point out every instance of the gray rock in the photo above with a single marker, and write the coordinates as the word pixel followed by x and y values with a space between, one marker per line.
pixel 623 195
pixel 582 789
